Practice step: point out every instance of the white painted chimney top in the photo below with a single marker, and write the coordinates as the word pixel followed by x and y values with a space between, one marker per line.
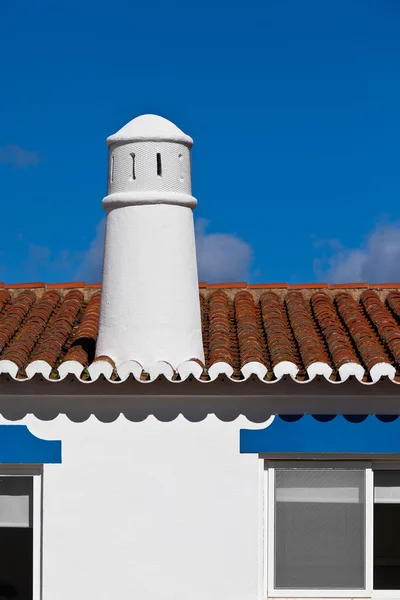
pixel 150 306
pixel 150 128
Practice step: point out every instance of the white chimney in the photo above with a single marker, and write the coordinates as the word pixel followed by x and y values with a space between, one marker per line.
pixel 150 309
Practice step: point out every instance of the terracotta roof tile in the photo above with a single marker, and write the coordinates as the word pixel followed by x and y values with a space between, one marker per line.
pixel 4 299
pixel 83 339
pixel 35 284
pixel 360 331
pixel 385 286
pixel 337 340
pixel 279 337
pixel 204 309
pixel 386 326
pixel 14 315
pixel 268 286
pixel 249 333
pixel 65 286
pixel 37 315
pixel 58 329
pixel 393 301
pixel 308 340
pixel 260 323
pixel 348 286
pixel 307 286
pixel 219 345
pixel 219 286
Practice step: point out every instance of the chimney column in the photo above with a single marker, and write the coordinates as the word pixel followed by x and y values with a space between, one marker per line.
pixel 150 308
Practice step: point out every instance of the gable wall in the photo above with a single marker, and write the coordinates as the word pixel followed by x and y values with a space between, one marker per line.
pixel 159 501
pixel 149 509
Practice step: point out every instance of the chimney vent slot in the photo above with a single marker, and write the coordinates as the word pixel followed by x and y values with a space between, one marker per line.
pixel 112 169
pixel 181 167
pixel 133 166
pixel 159 166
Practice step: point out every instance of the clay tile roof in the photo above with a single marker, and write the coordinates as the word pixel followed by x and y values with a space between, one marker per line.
pixel 279 336
pixel 353 329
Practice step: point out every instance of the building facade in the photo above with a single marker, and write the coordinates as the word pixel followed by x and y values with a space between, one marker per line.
pixel 164 439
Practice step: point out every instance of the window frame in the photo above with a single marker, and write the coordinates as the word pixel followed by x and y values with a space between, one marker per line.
pixel 368 466
pixel 35 472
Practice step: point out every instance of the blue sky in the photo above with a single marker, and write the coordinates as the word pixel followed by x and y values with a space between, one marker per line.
pixel 294 108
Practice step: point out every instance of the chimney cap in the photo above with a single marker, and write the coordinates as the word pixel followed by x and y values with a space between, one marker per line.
pixel 150 128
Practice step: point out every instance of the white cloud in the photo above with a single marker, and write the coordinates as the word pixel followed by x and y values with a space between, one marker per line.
pixel 376 261
pixel 41 262
pixel 221 257
pixel 18 157
pixel 90 270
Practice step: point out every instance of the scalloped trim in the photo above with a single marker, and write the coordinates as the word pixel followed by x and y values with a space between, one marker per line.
pixel 190 368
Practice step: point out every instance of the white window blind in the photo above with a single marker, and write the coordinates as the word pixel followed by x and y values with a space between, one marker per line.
pixel 387 487
pixel 319 529
pixel 15 502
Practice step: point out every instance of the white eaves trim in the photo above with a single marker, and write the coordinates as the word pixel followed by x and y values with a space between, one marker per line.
pixel 130 367
pixel 351 369
pixel 381 370
pixel 39 366
pixel 254 368
pixel 285 367
pixel 192 368
pixel 9 367
pixel 70 367
pixel 100 367
pixel 319 368
pixel 220 368
pixel 161 367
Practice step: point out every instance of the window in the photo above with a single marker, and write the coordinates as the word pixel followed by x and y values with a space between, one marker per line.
pixel 19 535
pixel 386 526
pixel 332 529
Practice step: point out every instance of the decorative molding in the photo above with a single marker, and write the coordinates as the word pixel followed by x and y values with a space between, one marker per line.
pixel 131 198
pixel 19 446
pixel 325 434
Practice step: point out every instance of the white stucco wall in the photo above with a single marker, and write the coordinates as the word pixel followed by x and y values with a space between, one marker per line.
pixel 150 510
pixel 150 308
pixel 175 166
